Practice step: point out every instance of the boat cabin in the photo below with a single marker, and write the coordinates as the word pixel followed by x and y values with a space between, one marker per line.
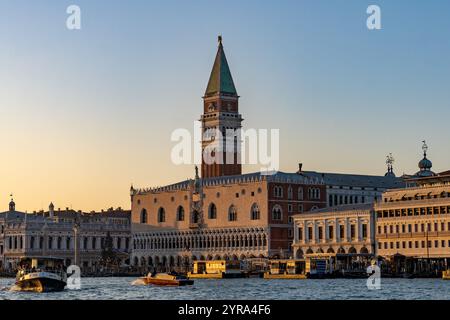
pixel 217 266
pixel 292 266
pixel 42 263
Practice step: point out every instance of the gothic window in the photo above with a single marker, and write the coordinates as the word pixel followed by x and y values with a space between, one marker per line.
pixel 50 242
pixel 277 213
pixel 290 193
pixel 232 214
pixel 300 193
pixel 314 193
pixel 255 214
pixel 212 211
pixel 68 243
pixel 58 243
pixel 278 192
pixel 161 215
pixel 144 217
pixel 180 213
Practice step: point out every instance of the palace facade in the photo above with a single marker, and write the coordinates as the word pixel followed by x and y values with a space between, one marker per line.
pixel 224 214
pixel 51 233
pixel 234 217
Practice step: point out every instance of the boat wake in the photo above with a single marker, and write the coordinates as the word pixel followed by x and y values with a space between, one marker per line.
pixel 12 288
pixel 138 282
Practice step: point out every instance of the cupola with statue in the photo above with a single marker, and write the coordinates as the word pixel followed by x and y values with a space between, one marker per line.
pixel 12 205
pixel 425 164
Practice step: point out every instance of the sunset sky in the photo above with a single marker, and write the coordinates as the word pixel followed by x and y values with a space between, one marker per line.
pixel 83 114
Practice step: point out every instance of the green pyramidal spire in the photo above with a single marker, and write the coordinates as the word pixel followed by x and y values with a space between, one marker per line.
pixel 220 80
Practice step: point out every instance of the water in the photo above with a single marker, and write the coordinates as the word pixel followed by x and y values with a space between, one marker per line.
pixel 242 289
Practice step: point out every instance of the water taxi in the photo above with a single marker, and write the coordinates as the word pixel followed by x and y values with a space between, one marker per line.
pixel 446 275
pixel 44 274
pixel 165 279
pixel 286 269
pixel 216 269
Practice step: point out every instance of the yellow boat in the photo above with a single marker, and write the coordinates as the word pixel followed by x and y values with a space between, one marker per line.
pixel 164 279
pixel 286 269
pixel 446 275
pixel 216 269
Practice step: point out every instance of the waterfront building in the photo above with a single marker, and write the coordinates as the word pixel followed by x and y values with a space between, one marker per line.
pixel 52 233
pixel 234 217
pixel 415 221
pixel 408 226
pixel 224 214
pixel 348 229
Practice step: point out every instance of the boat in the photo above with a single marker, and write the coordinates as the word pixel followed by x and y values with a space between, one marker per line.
pixel 286 269
pixel 43 274
pixel 446 275
pixel 216 269
pixel 165 279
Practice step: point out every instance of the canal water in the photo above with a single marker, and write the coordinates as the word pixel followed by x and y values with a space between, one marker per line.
pixel 242 289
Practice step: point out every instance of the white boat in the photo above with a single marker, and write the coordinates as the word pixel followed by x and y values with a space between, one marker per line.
pixel 44 274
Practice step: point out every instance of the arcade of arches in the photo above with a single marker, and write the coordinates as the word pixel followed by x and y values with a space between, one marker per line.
pixel 176 249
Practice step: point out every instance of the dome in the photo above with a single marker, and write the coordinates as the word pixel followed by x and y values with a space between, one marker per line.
pixel 425 164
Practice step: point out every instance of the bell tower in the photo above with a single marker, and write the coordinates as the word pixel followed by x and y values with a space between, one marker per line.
pixel 221 122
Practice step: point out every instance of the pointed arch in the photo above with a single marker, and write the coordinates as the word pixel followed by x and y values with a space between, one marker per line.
pixel 277 212
pixel 232 213
pixel 144 216
pixel 212 211
pixel 161 215
pixel 254 212
pixel 180 213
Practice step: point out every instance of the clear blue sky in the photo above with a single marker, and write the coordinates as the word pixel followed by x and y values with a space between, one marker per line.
pixel 85 113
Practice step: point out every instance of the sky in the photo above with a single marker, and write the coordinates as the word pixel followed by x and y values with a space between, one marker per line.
pixel 86 113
